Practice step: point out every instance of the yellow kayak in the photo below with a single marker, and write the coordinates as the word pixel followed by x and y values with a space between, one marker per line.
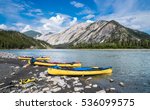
pixel 81 71
pixel 29 58
pixel 72 64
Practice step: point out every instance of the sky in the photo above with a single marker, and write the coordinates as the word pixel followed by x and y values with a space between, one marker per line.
pixel 57 15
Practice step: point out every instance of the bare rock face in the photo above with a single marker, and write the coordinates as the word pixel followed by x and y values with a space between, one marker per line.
pixel 69 35
pixel 97 32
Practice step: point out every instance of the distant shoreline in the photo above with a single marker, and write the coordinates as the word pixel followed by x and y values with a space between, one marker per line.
pixel 73 49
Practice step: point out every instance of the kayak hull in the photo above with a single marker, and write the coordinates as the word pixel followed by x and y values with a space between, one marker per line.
pixel 58 64
pixel 54 71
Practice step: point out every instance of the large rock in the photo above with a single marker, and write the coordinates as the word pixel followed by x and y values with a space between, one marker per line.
pixel 45 89
pixel 59 81
pixel 121 84
pixel 28 85
pixel 87 87
pixel 95 85
pixel 42 75
pixel 2 84
pixel 77 89
pixel 56 89
pixel 101 91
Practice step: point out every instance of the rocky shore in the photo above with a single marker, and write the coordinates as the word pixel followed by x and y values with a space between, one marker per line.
pixel 12 71
pixel 7 55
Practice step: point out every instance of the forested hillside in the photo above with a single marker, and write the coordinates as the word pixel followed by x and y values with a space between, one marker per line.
pixel 17 40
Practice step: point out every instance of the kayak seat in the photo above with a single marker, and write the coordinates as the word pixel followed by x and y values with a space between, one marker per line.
pixel 83 69
pixel 56 67
pixel 104 68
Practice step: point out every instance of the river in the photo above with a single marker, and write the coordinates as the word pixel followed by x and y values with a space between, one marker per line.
pixel 129 66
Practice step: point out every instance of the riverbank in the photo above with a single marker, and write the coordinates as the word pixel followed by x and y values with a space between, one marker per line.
pixel 12 71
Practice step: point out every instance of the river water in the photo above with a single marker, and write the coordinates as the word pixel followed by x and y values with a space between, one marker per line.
pixel 129 66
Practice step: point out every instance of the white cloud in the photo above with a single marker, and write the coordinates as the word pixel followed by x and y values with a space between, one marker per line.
pixel 57 23
pixel 127 12
pixel 34 12
pixel 54 24
pixel 77 4
pixel 73 22
pixel 90 16
pixel 50 13
pixel 14 26
pixel 137 20
pixel 26 28
pixel 19 24
pixel 11 10
pixel 127 6
pixel 117 6
pixel 86 11
pixel 3 26
pixel 89 21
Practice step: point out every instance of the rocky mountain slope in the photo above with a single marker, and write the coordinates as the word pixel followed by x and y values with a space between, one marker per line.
pixel 44 36
pixel 17 40
pixel 100 32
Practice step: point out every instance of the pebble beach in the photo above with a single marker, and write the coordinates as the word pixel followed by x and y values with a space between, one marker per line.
pixel 13 70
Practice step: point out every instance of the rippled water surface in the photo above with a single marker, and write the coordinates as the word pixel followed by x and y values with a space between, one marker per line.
pixel 129 66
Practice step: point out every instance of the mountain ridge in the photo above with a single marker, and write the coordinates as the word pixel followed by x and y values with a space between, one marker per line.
pixel 32 33
pixel 16 40
pixel 100 32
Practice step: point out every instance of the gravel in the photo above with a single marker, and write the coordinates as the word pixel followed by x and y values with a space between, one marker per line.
pixel 11 71
pixel 7 55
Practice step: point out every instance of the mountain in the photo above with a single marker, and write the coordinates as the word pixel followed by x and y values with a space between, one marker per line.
pixel 17 40
pixel 44 36
pixel 100 34
pixel 32 33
